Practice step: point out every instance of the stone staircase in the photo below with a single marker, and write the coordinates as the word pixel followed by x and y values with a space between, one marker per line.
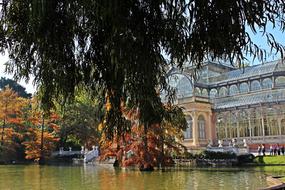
pixel 91 155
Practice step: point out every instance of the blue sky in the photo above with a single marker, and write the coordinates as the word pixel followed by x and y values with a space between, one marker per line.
pixel 261 41
pixel 257 38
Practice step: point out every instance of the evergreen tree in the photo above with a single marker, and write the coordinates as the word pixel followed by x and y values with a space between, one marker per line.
pixel 118 45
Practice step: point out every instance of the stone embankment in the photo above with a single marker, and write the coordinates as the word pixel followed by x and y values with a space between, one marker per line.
pixel 206 162
pixel 274 184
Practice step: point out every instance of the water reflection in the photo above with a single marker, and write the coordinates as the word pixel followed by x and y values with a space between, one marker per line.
pixel 106 177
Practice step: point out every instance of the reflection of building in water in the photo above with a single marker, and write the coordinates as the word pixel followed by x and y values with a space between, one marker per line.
pixel 226 103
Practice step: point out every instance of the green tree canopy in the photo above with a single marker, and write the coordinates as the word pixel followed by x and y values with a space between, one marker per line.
pixel 80 120
pixel 119 44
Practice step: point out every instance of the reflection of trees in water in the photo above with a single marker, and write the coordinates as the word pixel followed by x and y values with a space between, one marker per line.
pixel 181 179
pixel 37 177
pixel 98 177
pixel 50 178
pixel 107 178
pixel 272 170
pixel 119 179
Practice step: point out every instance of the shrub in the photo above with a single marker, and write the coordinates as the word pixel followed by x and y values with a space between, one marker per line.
pixel 189 155
pixel 185 155
pixel 217 155
pixel 245 158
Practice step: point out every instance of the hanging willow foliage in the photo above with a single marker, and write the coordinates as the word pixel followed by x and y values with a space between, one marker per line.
pixel 118 44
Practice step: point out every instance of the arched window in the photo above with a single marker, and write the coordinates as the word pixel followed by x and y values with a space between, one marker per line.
pixel 267 83
pixel 220 127
pixel 255 85
pixel 272 126
pixel 283 127
pixel 223 91
pixel 233 89
pixel 197 91
pixel 213 93
pixel 243 87
pixel 184 87
pixel 205 93
pixel 188 133
pixel 233 124
pixel 243 124
pixel 201 127
pixel 280 81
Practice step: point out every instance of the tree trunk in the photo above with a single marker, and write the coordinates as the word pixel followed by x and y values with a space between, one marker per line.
pixel 145 128
pixel 118 161
pixel 161 156
pixel 3 127
pixel 2 134
pixel 147 165
pixel 42 160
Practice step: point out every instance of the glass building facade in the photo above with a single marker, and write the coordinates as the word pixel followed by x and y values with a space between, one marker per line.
pixel 230 103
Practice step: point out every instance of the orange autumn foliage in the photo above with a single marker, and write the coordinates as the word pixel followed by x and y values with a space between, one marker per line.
pixel 20 121
pixel 11 119
pixel 33 135
pixel 16 120
pixel 130 150
pixel 11 107
pixel 33 145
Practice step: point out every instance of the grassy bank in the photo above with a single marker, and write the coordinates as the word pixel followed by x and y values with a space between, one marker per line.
pixel 269 160
pixel 282 179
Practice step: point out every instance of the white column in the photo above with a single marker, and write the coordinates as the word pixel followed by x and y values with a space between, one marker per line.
pixel 262 125
pixel 279 125
pixel 210 128
pixel 238 135
pixel 226 128
pixel 195 130
pixel 249 126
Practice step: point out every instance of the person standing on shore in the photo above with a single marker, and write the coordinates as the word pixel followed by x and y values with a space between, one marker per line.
pixel 282 150
pixel 275 150
pixel 263 149
pixel 271 150
pixel 278 149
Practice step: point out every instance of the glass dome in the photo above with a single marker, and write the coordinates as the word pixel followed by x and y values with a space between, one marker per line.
pixel 182 84
pixel 184 88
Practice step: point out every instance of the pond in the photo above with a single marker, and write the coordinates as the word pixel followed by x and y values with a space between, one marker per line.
pixel 34 177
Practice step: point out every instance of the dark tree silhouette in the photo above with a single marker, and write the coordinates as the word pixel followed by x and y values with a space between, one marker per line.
pixel 118 45
pixel 19 89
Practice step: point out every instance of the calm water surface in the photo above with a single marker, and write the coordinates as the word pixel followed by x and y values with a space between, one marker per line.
pixel 33 177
